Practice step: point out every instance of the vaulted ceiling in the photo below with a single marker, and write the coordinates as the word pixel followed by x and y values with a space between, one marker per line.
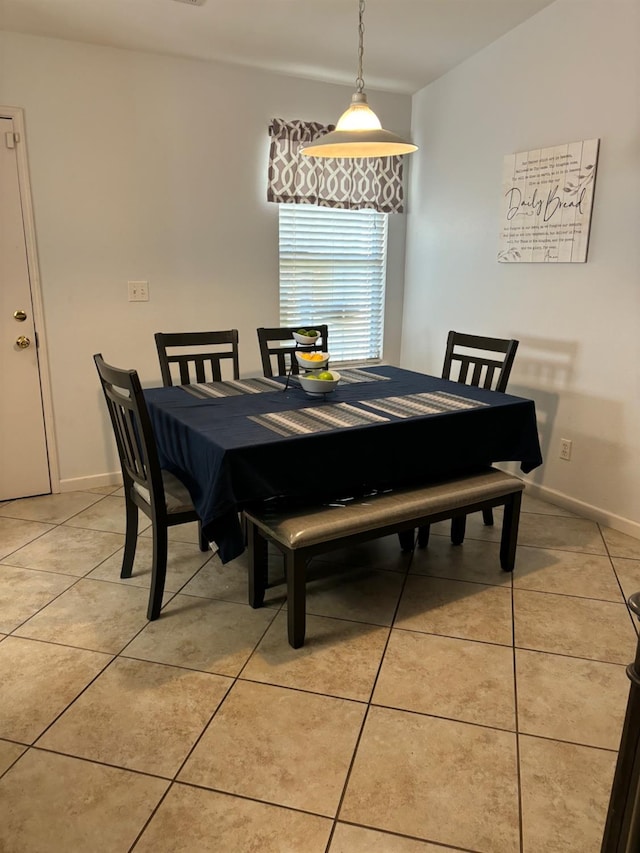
pixel 408 43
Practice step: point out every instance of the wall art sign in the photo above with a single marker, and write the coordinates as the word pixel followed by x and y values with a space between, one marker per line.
pixel 547 197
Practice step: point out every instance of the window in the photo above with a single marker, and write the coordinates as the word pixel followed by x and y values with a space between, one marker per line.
pixel 333 271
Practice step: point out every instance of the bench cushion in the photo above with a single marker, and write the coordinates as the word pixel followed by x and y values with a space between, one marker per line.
pixel 301 527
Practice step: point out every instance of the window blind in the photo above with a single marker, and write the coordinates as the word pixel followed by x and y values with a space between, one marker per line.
pixel 333 271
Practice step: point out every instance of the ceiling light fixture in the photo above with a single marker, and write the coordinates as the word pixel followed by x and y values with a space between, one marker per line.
pixel 359 132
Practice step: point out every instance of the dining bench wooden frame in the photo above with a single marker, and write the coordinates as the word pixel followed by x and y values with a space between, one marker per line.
pixel 301 532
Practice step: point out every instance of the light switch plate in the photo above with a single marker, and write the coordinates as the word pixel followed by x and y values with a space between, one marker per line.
pixel 138 291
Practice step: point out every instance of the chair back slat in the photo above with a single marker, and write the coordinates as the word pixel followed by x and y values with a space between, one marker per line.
pixel 183 365
pixel 129 443
pixel 271 347
pixel 464 369
pixel 136 455
pixel 486 371
pixel 477 373
pixel 488 377
pixel 194 365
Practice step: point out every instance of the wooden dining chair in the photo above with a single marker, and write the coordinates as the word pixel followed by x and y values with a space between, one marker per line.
pixel 192 354
pixel 273 354
pixel 486 363
pixel 158 493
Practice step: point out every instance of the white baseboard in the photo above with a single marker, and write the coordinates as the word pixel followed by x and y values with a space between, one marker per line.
pixel 82 484
pixel 594 513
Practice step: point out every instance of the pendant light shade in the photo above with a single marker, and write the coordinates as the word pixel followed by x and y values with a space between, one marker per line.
pixel 358 132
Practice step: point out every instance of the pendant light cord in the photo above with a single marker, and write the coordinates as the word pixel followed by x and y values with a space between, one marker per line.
pixel 359 78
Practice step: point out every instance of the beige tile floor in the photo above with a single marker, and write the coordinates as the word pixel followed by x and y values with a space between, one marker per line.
pixel 438 704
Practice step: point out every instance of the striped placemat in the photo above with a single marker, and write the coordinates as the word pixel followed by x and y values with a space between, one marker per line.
pixel 232 388
pixel 319 419
pixel 426 403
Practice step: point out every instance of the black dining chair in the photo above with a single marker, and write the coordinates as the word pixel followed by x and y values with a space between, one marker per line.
pixel 197 356
pixel 158 493
pixel 486 363
pixel 274 354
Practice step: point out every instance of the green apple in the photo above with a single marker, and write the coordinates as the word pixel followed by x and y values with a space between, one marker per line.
pixel 325 375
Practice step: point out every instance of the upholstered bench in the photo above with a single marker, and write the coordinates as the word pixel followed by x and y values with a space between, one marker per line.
pixel 301 532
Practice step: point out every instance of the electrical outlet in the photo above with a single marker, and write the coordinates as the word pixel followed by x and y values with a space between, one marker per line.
pixel 565 449
pixel 138 291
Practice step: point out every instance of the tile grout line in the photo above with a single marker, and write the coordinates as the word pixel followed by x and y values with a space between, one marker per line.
pixel 190 752
pixel 371 693
pixel 634 621
pixel 517 719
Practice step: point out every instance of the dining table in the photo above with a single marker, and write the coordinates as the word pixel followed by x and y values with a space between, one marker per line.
pixel 233 443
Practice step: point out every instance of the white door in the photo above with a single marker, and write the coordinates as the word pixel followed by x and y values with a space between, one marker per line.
pixel 24 465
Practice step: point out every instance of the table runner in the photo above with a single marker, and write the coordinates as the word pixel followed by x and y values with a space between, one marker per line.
pixel 307 421
pixel 231 387
pixel 429 403
pixel 261 385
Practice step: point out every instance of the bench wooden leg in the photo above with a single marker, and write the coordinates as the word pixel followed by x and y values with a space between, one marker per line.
pixel 295 567
pixel 509 539
pixel 257 547
pixel 458 527
pixel 406 538
pixel 423 535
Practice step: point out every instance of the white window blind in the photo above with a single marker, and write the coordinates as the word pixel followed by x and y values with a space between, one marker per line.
pixel 333 271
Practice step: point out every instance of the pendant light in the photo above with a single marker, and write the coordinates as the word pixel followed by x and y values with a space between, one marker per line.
pixel 358 132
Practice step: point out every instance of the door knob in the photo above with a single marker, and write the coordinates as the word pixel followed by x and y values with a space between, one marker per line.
pixel 23 342
pixel 20 315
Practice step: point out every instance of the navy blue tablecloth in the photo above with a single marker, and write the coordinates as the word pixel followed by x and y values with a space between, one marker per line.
pixel 227 460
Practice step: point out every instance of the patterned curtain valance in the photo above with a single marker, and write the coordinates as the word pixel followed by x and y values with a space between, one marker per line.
pixel 374 183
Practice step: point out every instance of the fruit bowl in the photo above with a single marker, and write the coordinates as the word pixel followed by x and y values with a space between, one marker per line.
pixel 312 384
pixel 306 340
pixel 312 360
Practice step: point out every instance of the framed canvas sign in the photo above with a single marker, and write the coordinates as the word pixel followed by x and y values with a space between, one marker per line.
pixel 547 197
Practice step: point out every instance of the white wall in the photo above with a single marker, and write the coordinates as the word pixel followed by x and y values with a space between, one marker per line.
pixel 151 168
pixel 572 72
